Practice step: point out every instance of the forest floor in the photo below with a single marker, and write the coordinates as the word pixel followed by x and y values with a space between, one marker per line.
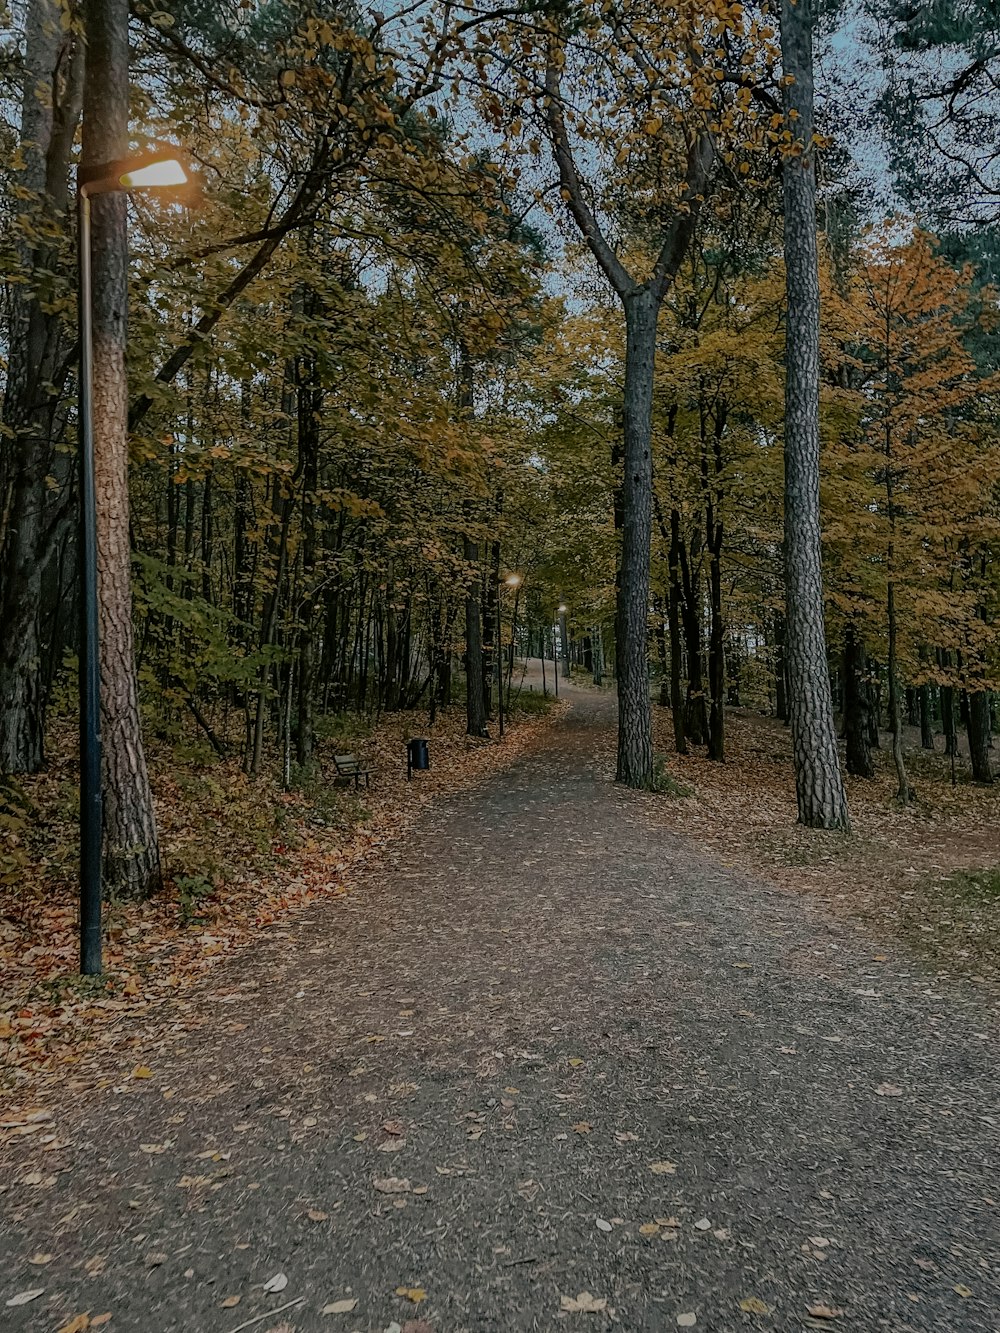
pixel 238 854
pixel 928 873
pixel 545 1063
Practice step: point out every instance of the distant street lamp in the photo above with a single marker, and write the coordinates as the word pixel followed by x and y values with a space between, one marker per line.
pixel 158 170
pixel 564 640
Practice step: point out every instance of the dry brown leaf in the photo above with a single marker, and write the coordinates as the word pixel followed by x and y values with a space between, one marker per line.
pixel 230 1302
pixel 754 1305
pixel 344 1306
pixel 391 1185
pixel 142 1071
pixel 78 1324
pixel 585 1303
pixel 414 1294
pixel 825 1311
pixel 663 1168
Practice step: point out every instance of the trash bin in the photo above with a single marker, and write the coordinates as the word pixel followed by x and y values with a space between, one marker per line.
pixel 417 757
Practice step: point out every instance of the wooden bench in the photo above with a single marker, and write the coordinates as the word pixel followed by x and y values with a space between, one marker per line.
pixel 349 767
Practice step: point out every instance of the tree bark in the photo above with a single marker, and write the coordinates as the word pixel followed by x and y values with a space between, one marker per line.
pixel 132 857
pixel 859 755
pixel 926 720
pixel 819 786
pixel 33 514
pixel 635 717
pixel 979 735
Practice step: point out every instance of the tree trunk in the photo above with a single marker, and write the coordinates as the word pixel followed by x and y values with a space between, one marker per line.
pixel 780 669
pixel 895 702
pixel 926 721
pixel 132 857
pixel 33 516
pixel 674 623
pixel 819 786
pixel 979 735
pixel 859 756
pixel 635 718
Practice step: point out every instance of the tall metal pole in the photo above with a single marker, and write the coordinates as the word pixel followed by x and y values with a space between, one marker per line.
pixel 555 666
pixel 91 808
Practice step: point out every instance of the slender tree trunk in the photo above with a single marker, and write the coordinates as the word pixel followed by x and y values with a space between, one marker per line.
pixel 660 632
pixel 926 720
pixel 780 669
pixel 895 703
pixel 859 756
pixel 674 623
pixel 33 516
pixel 979 735
pixel 132 857
pixel 819 786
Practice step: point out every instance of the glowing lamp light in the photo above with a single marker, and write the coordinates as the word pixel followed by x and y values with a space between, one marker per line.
pixel 513 580
pixel 167 172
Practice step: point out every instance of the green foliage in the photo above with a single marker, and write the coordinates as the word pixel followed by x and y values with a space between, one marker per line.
pixel 665 783
pixel 192 892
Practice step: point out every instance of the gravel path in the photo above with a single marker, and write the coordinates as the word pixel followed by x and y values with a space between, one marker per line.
pixel 544 1048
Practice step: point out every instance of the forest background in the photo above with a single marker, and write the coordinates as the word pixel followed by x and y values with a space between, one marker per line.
pixel 448 272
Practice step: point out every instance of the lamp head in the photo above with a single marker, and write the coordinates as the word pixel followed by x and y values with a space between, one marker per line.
pixel 563 608
pixel 162 169
pixel 514 580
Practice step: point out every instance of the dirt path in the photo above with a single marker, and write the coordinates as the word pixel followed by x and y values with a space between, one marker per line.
pixel 540 1050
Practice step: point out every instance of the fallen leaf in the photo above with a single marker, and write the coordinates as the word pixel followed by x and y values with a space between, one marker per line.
pixel 23 1297
pixel 582 1127
pixel 99 1320
pixel 962 1289
pixel 820 1242
pixel 574 1062
pixel 754 1305
pixel 277 1283
pixel 689 1319
pixel 648 1229
pixel 414 1294
pixel 345 1306
pixel 39 1259
pixel 583 1304
pixel 394 1127
pixel 888 1090
pixel 392 1145
pixel 703 1224
pixel 230 1302
pixel 142 1071
pixel 78 1324
pixel 663 1168
pixel 603 1224
pixel 391 1185
pixel 154 1259
pixel 824 1311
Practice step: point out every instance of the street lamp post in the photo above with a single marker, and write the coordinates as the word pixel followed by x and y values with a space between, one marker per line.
pixel 162 170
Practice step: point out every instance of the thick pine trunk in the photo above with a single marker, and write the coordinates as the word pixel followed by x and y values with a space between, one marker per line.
pixel 635 721
pixel 132 857
pixel 859 755
pixel 31 512
pixel 819 786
